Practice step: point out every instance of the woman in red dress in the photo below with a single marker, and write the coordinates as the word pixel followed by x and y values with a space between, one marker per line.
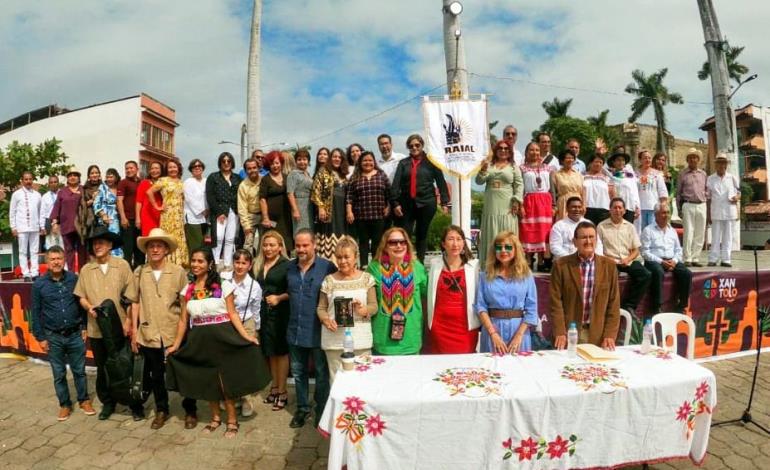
pixel 149 217
pixel 453 328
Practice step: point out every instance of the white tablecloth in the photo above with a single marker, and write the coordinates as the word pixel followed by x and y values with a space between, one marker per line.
pixel 541 410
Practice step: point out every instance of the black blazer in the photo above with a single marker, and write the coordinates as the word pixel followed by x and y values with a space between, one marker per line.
pixel 221 196
pixel 427 174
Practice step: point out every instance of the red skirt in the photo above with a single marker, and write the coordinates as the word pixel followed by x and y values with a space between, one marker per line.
pixel 535 226
pixel 449 332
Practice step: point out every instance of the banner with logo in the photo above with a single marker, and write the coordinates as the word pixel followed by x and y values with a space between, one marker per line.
pixel 457 134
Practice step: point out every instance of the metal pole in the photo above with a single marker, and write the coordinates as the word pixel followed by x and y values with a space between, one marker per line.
pixel 244 131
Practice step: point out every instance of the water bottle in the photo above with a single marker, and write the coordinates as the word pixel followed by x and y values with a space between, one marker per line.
pixel 572 340
pixel 347 343
pixel 647 336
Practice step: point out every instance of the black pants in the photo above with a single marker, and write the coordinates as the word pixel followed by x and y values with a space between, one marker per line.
pixel 596 214
pixel 155 381
pixel 369 233
pixel 639 280
pixel 131 253
pixel 629 216
pixel 682 277
pixel 416 221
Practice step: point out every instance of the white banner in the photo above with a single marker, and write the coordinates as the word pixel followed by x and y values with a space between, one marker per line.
pixel 457 134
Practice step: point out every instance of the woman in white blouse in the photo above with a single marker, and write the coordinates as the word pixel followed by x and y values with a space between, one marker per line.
pixel 626 186
pixel 652 190
pixel 599 190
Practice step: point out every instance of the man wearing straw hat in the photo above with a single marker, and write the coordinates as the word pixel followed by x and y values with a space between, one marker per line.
pixel 723 193
pixel 691 202
pixel 155 312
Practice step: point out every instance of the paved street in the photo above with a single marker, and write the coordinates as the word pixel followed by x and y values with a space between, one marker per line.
pixel 30 436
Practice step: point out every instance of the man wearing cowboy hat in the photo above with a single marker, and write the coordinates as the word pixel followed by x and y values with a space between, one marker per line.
pixel 691 202
pixel 105 277
pixel 723 192
pixel 155 312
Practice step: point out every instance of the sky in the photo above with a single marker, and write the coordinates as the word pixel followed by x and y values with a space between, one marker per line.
pixel 329 64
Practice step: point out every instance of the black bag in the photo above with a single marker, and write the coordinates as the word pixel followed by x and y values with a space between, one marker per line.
pixel 123 368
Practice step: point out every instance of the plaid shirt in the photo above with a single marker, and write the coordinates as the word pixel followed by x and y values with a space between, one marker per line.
pixel 369 196
pixel 587 276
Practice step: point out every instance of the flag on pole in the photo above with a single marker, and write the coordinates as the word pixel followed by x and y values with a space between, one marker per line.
pixel 458 134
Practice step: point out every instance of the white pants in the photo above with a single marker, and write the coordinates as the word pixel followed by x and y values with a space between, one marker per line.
pixel 694 221
pixel 29 241
pixel 721 240
pixel 226 232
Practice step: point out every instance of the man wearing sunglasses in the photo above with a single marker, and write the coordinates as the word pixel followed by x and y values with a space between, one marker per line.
pixel 510 135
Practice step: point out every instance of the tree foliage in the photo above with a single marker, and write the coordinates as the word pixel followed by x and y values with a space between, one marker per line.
pixel 440 222
pixel 735 70
pixel 42 160
pixel 586 131
pixel 649 90
pixel 556 107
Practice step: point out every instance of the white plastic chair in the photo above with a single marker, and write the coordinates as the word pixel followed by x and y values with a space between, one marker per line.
pixel 625 314
pixel 668 327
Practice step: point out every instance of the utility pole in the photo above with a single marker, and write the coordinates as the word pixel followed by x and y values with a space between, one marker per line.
pixel 253 96
pixel 457 88
pixel 724 117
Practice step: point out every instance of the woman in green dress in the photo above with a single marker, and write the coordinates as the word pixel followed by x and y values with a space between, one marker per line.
pixel 401 284
pixel 502 196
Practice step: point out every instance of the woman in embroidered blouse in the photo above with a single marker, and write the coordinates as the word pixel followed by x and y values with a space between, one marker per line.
pixel 90 190
pixel 652 190
pixel 149 217
pixel 401 284
pixel 453 328
pixel 503 194
pixel 348 282
pixel 219 360
pixel 599 190
pixel 506 300
pixel 566 182
pixel 106 205
pixel 367 204
pixel 271 268
pixel 222 199
pixel 536 213
pixel 299 183
pixel 171 211
pixel 625 184
pixel 328 195
pixel 273 200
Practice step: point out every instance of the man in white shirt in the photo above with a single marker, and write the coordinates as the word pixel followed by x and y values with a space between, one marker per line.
pixel 26 226
pixel 563 231
pixel 510 135
pixel 579 165
pixel 723 192
pixel 662 253
pixel 196 210
pixel 544 142
pixel 52 237
pixel 389 159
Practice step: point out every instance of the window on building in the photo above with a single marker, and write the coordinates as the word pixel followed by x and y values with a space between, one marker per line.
pixel 146 130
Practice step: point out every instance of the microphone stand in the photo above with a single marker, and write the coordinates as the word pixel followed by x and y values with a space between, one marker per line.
pixel 746 417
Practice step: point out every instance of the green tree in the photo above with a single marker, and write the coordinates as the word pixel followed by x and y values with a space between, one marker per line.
pixel 42 160
pixel 556 107
pixel 651 91
pixel 437 226
pixel 735 69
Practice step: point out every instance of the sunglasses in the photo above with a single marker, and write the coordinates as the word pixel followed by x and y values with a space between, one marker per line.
pixel 511 133
pixel 415 146
pixel 397 242
pixel 197 166
pixel 499 248
pixel 504 149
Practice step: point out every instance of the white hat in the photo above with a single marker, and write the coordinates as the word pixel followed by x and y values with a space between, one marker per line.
pixel 156 234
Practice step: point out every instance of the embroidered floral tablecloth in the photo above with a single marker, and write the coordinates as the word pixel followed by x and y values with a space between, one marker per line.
pixel 538 411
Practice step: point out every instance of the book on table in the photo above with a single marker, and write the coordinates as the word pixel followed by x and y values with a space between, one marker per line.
pixel 593 353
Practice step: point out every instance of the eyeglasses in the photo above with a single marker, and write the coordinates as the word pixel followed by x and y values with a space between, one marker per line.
pixel 397 242
pixel 415 146
pixel 197 166
pixel 499 248
pixel 511 133
pixel 504 149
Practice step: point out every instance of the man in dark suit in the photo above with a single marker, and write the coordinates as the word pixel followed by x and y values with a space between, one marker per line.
pixel 584 290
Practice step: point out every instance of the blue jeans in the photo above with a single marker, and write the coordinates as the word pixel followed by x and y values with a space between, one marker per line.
pixel 299 358
pixel 646 218
pixel 63 350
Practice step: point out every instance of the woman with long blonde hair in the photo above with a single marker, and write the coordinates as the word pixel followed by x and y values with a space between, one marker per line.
pixel 400 283
pixel 506 299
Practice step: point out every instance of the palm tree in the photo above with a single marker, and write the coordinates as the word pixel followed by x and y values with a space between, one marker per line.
pixel 650 90
pixel 735 69
pixel 599 121
pixel 253 98
pixel 556 108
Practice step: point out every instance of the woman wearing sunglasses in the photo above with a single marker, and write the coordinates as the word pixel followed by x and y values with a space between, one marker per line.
pixel 506 299
pixel 400 283
pixel 453 328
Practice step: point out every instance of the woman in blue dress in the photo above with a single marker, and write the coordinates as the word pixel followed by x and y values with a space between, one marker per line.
pixel 106 206
pixel 506 298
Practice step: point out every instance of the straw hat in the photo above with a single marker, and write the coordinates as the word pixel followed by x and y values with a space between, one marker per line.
pixel 156 234
pixel 694 151
pixel 721 157
pixel 73 171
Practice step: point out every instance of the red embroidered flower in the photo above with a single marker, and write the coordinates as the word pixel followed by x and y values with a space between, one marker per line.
pixel 557 447
pixel 375 425
pixel 683 412
pixel 362 367
pixel 353 404
pixel 526 449
pixel 378 360
pixel 524 353
pixel 702 390
pixel 507 444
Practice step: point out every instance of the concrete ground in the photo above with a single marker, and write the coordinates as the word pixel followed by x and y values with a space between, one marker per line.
pixel 30 436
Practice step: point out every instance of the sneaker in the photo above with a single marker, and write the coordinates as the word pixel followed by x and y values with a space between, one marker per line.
pixel 246 408
pixel 87 407
pixel 299 419
pixel 64 413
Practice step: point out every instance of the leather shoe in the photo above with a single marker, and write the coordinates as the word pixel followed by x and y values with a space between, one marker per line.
pixel 299 419
pixel 190 421
pixel 712 263
pixel 160 420
pixel 106 412
pixel 137 414
pixel 697 264
pixel 64 413
pixel 726 265
pixel 87 407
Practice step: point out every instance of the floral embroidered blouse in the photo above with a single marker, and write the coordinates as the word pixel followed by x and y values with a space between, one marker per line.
pixel 207 303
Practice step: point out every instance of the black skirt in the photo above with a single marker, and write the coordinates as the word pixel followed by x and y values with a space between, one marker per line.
pixel 216 363
pixel 272 332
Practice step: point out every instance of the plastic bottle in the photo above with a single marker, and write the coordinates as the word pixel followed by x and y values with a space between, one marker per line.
pixel 347 343
pixel 647 336
pixel 572 340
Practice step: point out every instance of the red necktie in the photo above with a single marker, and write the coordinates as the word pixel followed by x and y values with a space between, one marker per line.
pixel 413 179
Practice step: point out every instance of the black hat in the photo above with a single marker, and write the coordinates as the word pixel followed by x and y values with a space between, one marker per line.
pixel 102 233
pixel 618 154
